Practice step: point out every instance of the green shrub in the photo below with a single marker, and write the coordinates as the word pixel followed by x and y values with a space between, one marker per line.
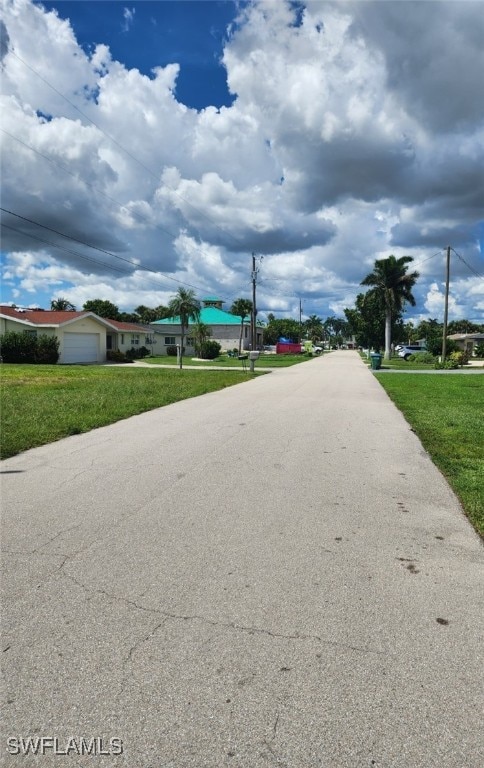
pixel 115 356
pixel 434 345
pixel 171 350
pixel 25 347
pixel 479 350
pixel 137 354
pixel 460 357
pixel 47 350
pixel 449 364
pixel 422 357
pixel 209 349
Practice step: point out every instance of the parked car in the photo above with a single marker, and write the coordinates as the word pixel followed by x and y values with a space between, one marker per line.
pixel 409 349
pixel 313 349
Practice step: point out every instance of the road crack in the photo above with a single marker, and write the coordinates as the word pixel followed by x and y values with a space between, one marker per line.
pixel 250 630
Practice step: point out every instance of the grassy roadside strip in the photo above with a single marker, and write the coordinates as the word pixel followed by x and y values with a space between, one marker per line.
pixel 398 363
pixel 264 361
pixel 447 414
pixel 43 403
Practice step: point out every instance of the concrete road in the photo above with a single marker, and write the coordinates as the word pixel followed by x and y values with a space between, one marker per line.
pixel 271 575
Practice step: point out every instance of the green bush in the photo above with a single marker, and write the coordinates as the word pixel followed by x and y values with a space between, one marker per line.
pixel 137 354
pixel 422 357
pixel 479 350
pixel 209 349
pixel 449 364
pixel 47 350
pixel 460 357
pixel 434 345
pixel 25 347
pixel 171 350
pixel 115 356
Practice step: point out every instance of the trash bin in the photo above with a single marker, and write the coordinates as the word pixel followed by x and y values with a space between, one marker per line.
pixel 376 361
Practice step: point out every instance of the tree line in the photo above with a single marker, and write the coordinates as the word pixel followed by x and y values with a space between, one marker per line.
pixel 376 320
pixel 183 304
pixel 108 310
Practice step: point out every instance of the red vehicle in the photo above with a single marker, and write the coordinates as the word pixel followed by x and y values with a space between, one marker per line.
pixel 288 348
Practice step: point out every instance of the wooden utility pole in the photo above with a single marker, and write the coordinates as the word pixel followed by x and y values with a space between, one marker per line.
pixel 300 321
pixel 446 305
pixel 253 336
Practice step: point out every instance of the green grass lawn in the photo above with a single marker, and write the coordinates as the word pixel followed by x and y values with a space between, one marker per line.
pixel 447 413
pixel 42 403
pixel 264 361
pixel 398 363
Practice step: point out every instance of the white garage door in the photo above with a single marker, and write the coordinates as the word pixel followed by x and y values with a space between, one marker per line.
pixel 80 348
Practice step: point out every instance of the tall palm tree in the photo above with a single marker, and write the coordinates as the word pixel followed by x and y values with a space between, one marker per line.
pixel 391 279
pixel 242 308
pixel 314 328
pixel 62 305
pixel 185 306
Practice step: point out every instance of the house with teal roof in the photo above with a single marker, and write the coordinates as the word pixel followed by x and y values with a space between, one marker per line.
pixel 225 328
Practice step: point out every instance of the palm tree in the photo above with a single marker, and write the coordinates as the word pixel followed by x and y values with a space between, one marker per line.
pixel 314 328
pixel 328 327
pixel 242 308
pixel 201 332
pixel 391 280
pixel 185 306
pixel 62 305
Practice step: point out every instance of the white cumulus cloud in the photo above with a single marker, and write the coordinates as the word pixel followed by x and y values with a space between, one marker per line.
pixel 356 131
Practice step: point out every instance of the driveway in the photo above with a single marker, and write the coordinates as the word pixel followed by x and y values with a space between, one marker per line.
pixel 270 575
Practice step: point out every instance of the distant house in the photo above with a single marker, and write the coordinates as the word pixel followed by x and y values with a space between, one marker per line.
pixel 82 335
pixel 467 342
pixel 225 328
pixel 126 336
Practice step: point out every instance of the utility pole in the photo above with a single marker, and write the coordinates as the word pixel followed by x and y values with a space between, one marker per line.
pixel 446 305
pixel 300 321
pixel 253 337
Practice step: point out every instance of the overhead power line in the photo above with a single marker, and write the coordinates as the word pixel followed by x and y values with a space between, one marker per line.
pixel 477 274
pixel 422 261
pixel 111 267
pixel 95 189
pixel 94 247
pixel 122 206
pixel 67 250
pixel 146 168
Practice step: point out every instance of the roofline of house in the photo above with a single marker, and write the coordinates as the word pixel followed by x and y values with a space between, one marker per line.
pixel 33 324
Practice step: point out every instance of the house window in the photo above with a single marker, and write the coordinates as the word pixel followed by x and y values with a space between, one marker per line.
pixel 148 340
pixel 246 331
pixel 31 333
pixel 135 339
pixel 170 341
pixel 190 341
pixel 122 338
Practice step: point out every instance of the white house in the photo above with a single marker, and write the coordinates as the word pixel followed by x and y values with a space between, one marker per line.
pixel 82 335
pixel 225 328
pixel 467 342
pixel 126 336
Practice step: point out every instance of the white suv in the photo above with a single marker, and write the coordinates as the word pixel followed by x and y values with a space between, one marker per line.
pixel 409 349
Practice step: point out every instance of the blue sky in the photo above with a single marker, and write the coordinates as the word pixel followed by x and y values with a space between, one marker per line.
pixel 148 145
pixel 144 35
